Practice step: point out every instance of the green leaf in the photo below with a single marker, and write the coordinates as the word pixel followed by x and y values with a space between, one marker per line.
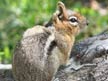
pixel 7 54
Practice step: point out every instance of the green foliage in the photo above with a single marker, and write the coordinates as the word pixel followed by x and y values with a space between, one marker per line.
pixel 18 15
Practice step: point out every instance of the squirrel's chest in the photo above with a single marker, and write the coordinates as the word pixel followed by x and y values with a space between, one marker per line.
pixel 57 56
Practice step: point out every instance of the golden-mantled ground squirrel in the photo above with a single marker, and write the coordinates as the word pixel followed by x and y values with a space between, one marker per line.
pixel 42 50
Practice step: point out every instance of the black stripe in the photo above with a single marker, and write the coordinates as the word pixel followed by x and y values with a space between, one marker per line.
pixel 51 47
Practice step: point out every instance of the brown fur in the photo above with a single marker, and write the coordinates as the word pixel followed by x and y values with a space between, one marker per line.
pixel 32 61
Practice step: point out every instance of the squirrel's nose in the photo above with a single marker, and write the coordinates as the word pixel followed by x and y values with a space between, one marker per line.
pixel 87 22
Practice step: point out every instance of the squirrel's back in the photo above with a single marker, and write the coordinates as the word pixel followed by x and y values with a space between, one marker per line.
pixel 35 50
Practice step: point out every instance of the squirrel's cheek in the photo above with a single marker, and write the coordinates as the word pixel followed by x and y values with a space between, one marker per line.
pixel 76 30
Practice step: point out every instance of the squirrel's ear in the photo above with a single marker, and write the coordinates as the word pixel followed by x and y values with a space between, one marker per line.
pixel 62 10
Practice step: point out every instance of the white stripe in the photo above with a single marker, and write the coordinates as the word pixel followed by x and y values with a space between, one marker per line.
pixel 47 45
pixel 48 42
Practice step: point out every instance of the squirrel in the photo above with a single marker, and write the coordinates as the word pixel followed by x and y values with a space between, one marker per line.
pixel 41 51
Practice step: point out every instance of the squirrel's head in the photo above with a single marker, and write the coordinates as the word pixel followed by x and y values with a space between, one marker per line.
pixel 67 20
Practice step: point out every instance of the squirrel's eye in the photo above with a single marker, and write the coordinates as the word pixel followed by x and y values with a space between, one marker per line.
pixel 73 19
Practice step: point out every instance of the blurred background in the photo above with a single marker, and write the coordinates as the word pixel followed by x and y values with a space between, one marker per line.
pixel 18 15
